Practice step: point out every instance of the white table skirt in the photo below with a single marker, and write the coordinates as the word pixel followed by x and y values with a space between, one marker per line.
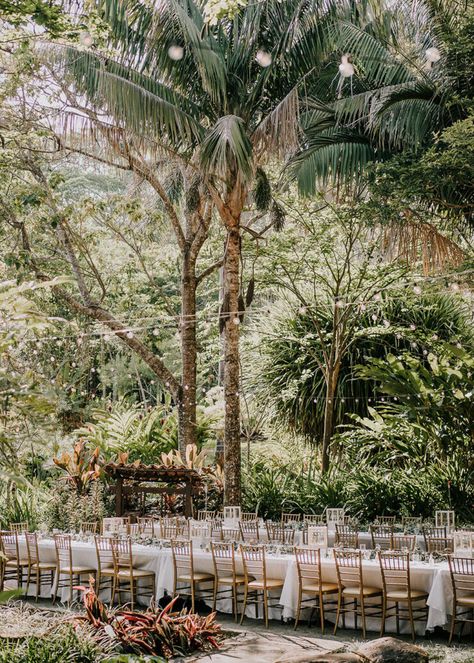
pixel 435 580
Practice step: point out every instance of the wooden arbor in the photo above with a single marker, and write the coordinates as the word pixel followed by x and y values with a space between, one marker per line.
pixel 139 480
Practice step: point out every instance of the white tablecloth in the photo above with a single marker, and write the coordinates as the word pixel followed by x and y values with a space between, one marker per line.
pixel 433 579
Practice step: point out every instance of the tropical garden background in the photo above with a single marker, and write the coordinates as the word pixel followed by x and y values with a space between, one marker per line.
pixel 244 226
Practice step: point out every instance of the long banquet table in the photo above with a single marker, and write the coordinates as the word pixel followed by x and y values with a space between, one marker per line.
pixel 431 578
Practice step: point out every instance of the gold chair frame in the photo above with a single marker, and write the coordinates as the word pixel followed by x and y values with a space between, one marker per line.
pixel 310 582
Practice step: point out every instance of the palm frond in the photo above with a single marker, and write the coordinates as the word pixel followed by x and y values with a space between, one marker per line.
pixel 226 148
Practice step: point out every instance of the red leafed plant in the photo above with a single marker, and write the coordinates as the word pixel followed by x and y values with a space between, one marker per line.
pixel 155 632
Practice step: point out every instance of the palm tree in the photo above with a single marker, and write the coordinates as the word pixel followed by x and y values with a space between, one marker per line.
pixel 221 98
pixel 408 77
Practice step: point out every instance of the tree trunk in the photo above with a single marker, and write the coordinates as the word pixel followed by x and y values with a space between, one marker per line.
pixel 232 368
pixel 187 398
pixel 331 385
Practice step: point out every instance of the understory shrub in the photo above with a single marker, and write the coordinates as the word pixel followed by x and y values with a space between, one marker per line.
pixel 20 504
pixel 63 646
pixel 66 509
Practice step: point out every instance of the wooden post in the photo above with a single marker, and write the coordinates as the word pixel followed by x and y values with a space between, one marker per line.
pixel 188 499
pixel 119 497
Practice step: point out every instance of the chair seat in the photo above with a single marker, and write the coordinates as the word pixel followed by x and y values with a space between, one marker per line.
pixel 402 595
pixel 17 562
pixel 231 580
pixel 43 566
pixel 324 588
pixel 198 577
pixel 137 573
pixel 107 571
pixel 75 570
pixel 356 590
pixel 466 600
pixel 271 583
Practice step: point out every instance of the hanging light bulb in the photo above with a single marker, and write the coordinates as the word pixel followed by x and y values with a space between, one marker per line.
pixel 129 334
pixel 346 68
pixel 433 54
pixel 156 332
pixel 386 323
pixel 417 290
pixel 455 286
pixel 86 39
pixel 263 58
pixel 176 52
pixel 339 303
pixel 236 321
pixel 302 310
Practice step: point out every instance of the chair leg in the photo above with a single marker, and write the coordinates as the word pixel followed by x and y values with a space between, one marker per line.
pixel 235 589
pixel 453 624
pixel 300 596
pixel 214 596
pixel 246 590
pixel 321 612
pixel 362 612
pixel 384 613
pixel 412 623
pixel 338 612
pixel 265 606
pixel 28 580
pixel 397 614
pixel 192 596
pixel 356 620
pixel 38 583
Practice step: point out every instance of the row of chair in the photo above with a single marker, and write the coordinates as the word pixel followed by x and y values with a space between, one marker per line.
pixel 384 537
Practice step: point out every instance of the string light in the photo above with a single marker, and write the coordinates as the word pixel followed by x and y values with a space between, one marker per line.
pixel 263 58
pixel 176 53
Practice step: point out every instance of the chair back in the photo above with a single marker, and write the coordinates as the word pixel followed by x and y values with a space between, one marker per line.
pixel 216 530
pixel 62 543
pixel 148 526
pixel 206 515
pixel 308 564
pixel 172 528
pixel 348 568
pixel 290 518
pixel 249 530
pixel 223 557
pixel 19 528
pixel 385 520
pixel 253 558
pixel 116 525
pixel 183 560
pixel 105 554
pixel 231 534
pixel 89 527
pixel 9 545
pixel 32 548
pixel 395 570
pixel 381 536
pixel 462 576
pixel 437 540
pixel 277 533
pixel 404 541
pixel 122 554
pixel 248 515
pixel 411 521
pixel 314 519
pixel 346 536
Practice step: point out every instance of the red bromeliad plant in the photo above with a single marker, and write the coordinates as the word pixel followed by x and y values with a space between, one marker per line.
pixel 82 466
pixel 154 632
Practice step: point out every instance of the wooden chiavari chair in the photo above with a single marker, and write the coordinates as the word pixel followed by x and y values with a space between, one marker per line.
pixel 184 573
pixel 149 526
pixel 66 567
pixel 116 525
pixel 172 528
pixel 290 518
pixel 412 521
pixel 89 528
pixel 384 520
pixel 248 515
pixel 19 528
pixel 395 569
pixel 437 540
pixel 381 536
pixel 36 567
pixel 223 557
pixel 206 515
pixel 105 563
pixel 278 534
pixel 12 566
pixel 308 563
pixel 249 531
pixel 128 578
pixel 256 580
pixel 351 587
pixel 314 519
pixel 230 534
pixel 462 580
pixel 346 536
pixel 216 530
pixel 404 542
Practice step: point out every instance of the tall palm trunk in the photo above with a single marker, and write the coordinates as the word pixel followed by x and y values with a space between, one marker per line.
pixel 329 405
pixel 187 395
pixel 232 367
